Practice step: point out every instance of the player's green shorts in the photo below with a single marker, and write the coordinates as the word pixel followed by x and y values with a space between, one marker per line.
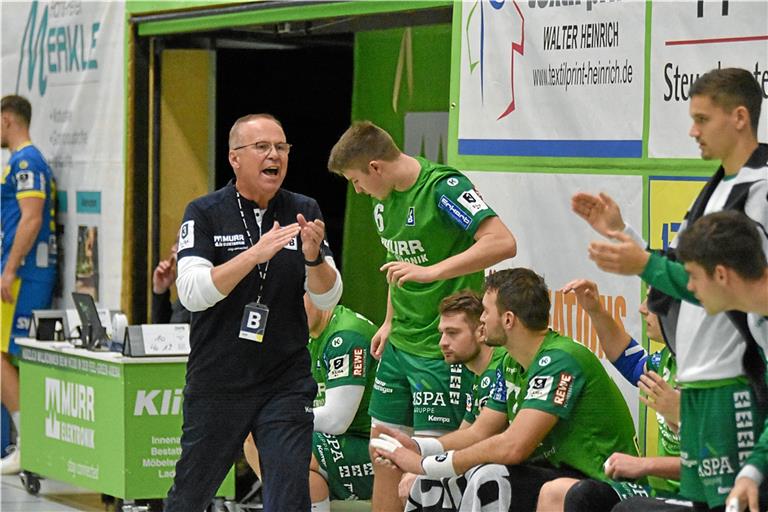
pixel 719 426
pixel 627 490
pixel 414 391
pixel 346 465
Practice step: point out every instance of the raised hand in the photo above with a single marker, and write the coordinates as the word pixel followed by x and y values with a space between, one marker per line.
pixel 600 211
pixel 312 235
pixel 163 276
pixel 625 257
pixel 274 240
pixel 586 293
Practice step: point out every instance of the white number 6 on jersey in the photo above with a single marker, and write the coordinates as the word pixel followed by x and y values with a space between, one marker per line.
pixel 378 216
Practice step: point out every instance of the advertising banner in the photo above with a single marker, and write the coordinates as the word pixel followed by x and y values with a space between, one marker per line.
pixel 66 58
pixel 114 428
pixel 72 420
pixel 689 39
pixel 553 241
pixel 543 78
pixel 669 198
pixel 153 418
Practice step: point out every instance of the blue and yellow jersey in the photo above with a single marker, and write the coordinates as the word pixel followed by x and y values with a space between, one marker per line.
pixel 28 175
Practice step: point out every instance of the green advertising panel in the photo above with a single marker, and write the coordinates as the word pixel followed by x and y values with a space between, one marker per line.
pixel 113 427
pixel 72 420
pixel 153 418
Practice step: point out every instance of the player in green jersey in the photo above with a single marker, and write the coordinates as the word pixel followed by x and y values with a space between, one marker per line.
pixel 721 366
pixel 439 236
pixel 655 376
pixel 723 255
pixel 339 345
pixel 543 420
pixel 462 338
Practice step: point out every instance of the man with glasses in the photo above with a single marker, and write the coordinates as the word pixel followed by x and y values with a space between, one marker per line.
pixel 247 254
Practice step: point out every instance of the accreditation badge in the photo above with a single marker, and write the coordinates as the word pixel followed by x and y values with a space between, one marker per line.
pixel 254 322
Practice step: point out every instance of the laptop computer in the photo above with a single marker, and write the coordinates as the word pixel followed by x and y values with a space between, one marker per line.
pixel 92 333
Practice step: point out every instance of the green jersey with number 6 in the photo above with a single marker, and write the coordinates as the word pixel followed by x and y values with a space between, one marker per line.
pixel 567 380
pixel 341 356
pixel 433 220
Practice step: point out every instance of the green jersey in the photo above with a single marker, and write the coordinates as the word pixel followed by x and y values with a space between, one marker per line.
pixel 341 356
pixel 434 219
pixel 567 380
pixel 482 384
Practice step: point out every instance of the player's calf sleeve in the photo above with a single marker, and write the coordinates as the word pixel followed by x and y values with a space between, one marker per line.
pixel 590 496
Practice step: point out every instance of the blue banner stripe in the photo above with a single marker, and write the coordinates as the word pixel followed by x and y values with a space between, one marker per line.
pixel 566 148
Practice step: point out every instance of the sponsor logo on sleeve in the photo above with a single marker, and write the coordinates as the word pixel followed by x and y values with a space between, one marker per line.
pixel 336 342
pixel 472 201
pixel 563 391
pixel 358 362
pixel 25 181
pixel 499 387
pixel 452 182
pixel 544 361
pixel 539 388
pixel 23 164
pixel 455 212
pixel 338 367
pixel 187 235
pixel 485 382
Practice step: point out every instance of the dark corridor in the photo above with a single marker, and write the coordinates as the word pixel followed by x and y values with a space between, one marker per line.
pixel 309 89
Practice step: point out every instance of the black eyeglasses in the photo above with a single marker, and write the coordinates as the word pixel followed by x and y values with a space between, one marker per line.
pixel 264 147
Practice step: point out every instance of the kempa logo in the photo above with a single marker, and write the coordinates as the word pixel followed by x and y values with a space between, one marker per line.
pixel 69 400
pixel 158 402
pixel 55 49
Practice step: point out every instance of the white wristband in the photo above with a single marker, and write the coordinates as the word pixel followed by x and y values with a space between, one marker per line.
pixel 751 472
pixel 429 446
pixel 635 236
pixel 439 466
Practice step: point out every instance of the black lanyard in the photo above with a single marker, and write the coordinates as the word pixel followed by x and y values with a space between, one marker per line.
pixel 262 271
